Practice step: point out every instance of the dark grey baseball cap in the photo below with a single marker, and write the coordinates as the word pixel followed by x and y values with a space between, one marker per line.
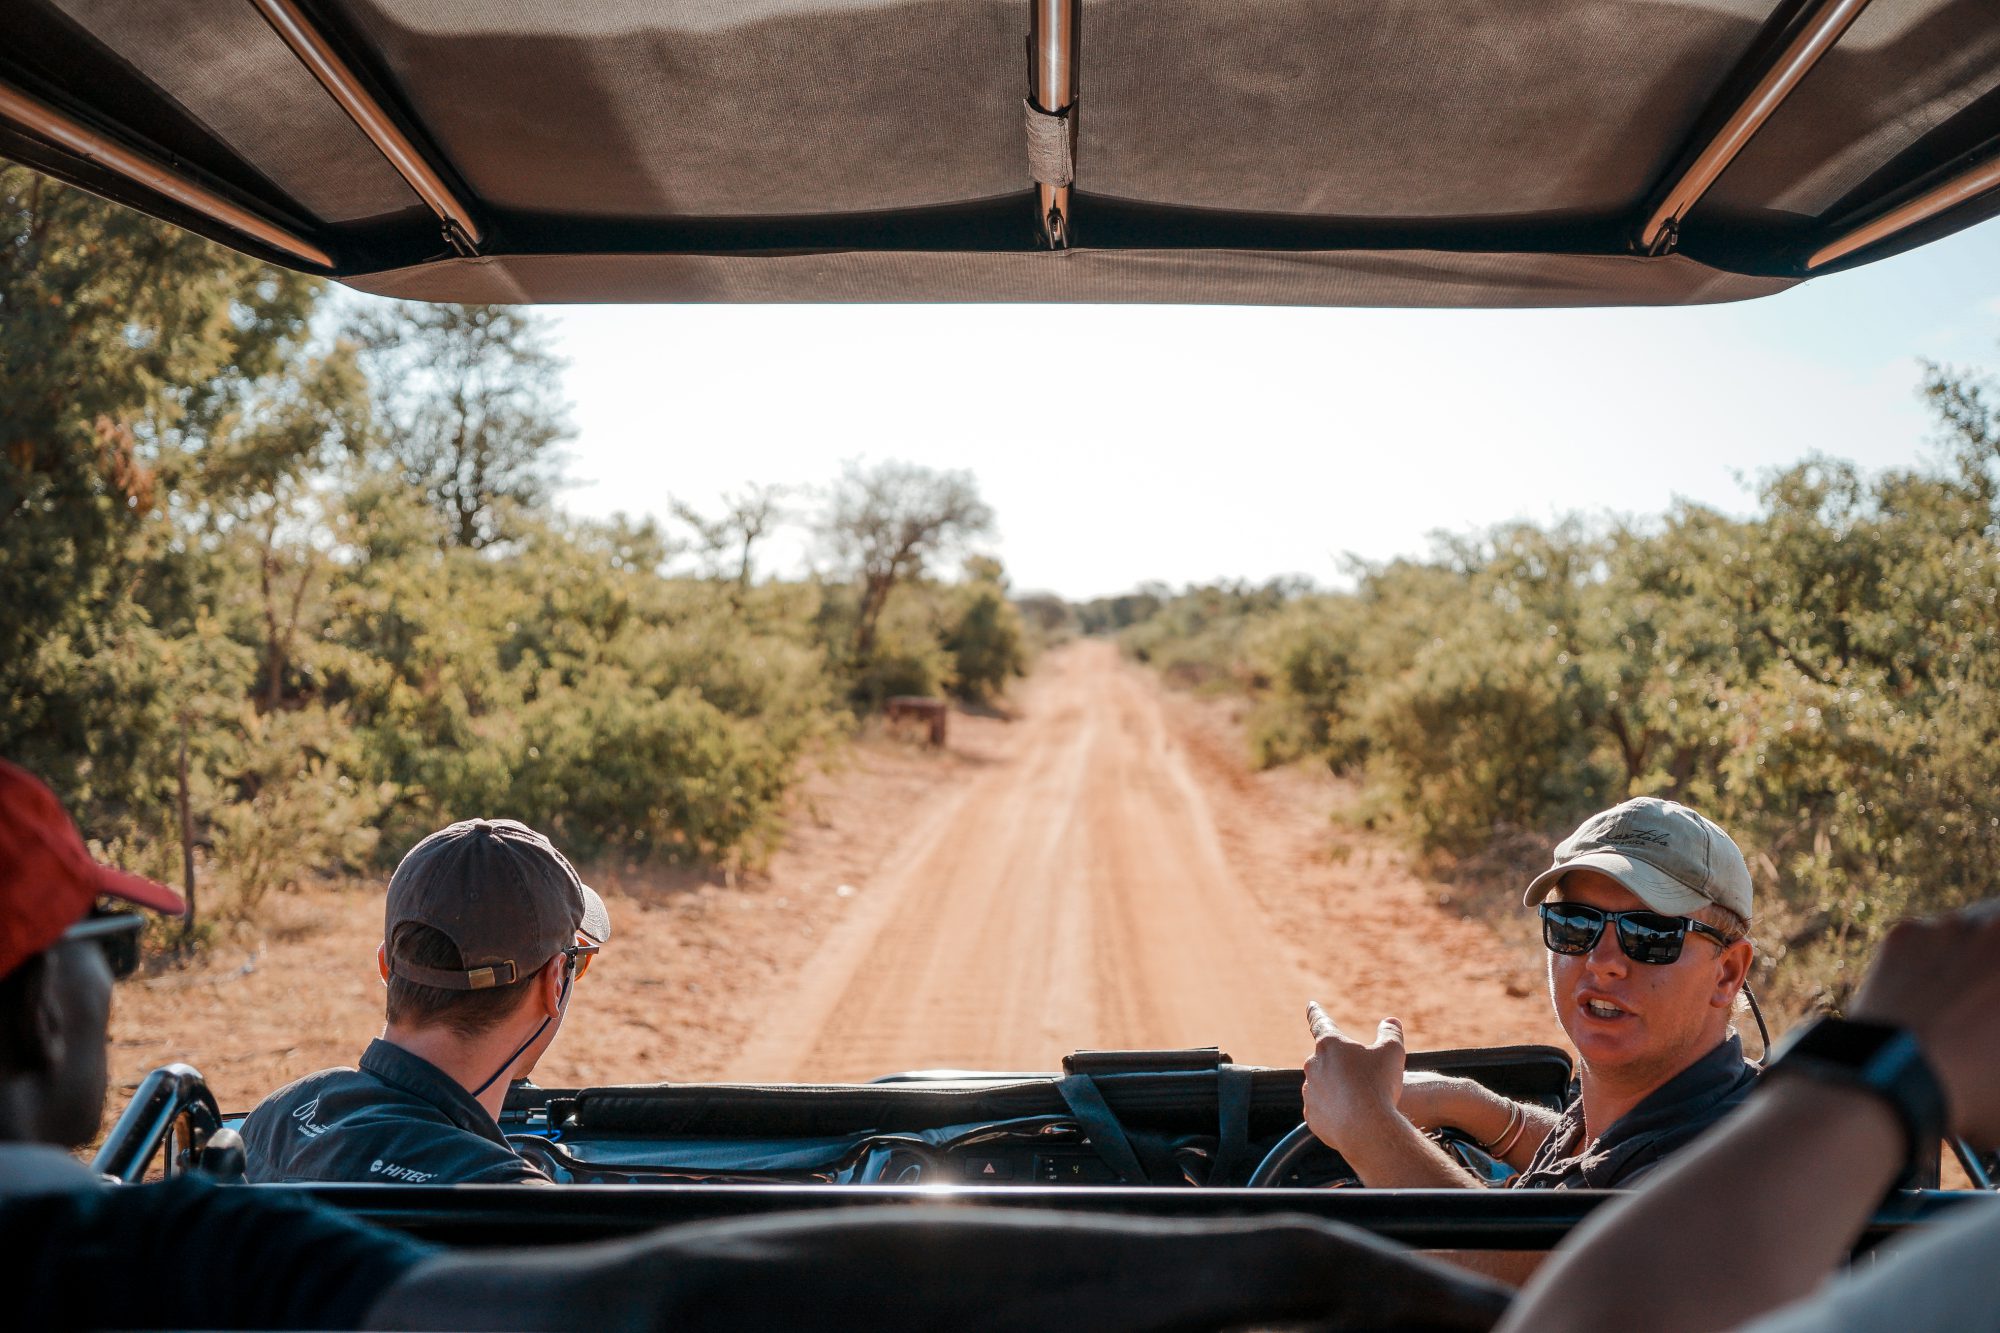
pixel 499 891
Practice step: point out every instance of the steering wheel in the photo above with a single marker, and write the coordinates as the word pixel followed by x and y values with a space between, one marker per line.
pixel 1286 1155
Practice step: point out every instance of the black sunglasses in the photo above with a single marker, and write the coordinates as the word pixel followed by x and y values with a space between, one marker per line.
pixel 1646 937
pixel 117 933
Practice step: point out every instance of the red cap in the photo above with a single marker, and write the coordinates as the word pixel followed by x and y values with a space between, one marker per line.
pixel 47 879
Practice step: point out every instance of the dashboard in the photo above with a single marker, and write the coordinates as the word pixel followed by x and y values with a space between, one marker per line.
pixel 1109 1119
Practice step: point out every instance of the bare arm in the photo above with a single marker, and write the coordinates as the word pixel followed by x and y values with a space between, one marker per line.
pixel 1437 1101
pixel 1760 1211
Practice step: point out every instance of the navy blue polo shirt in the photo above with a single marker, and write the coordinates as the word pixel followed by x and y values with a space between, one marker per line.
pixel 1669 1117
pixel 398 1119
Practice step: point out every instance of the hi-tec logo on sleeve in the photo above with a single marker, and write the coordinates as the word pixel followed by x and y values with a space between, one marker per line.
pixel 378 1167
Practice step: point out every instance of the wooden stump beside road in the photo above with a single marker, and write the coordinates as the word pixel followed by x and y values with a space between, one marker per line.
pixel 919 708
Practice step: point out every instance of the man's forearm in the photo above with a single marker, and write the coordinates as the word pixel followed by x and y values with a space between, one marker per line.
pixel 1782 1188
pixel 1514 1129
pixel 1395 1154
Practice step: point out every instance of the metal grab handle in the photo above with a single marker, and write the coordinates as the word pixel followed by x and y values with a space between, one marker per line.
pixel 171 1102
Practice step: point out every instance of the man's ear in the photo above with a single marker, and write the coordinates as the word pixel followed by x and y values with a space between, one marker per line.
pixel 1732 971
pixel 549 986
pixel 382 960
pixel 31 1037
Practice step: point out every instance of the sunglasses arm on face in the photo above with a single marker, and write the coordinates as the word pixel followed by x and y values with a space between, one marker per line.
pixel 117 934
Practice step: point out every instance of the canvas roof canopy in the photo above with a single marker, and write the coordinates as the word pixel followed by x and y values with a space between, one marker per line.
pixel 1321 152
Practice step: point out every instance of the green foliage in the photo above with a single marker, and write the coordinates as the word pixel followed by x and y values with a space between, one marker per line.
pixel 1823 679
pixel 885 524
pixel 465 397
pixel 123 342
pixel 1107 615
pixel 614 765
pixel 316 582
pixel 295 804
pixel 1195 639
pixel 905 657
pixel 983 634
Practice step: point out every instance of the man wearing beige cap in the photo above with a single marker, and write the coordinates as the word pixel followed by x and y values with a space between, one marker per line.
pixel 487 929
pixel 1644 914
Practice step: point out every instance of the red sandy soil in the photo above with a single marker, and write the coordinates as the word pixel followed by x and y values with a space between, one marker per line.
pixel 1099 870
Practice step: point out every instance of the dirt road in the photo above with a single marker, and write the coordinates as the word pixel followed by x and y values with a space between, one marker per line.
pixel 1101 870
pixel 1110 876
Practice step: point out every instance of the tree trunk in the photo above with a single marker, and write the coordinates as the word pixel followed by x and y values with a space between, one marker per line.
pixel 187 840
pixel 874 596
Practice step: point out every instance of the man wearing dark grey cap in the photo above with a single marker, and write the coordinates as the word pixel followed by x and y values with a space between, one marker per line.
pixel 1645 914
pixel 486 931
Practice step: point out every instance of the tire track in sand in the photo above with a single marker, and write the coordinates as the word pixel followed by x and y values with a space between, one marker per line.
pixel 1073 894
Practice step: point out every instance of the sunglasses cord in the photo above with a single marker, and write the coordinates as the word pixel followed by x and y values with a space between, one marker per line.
pixel 1763 1033
pixel 562 1003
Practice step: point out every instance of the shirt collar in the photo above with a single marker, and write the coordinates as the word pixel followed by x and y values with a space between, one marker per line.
pixel 420 1078
pixel 1688 1094
pixel 1710 1078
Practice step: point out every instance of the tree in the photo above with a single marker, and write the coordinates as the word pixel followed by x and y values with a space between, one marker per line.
pixel 467 411
pixel 883 523
pixel 983 633
pixel 748 516
pixel 123 342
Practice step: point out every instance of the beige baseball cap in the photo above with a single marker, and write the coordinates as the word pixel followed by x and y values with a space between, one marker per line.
pixel 1675 860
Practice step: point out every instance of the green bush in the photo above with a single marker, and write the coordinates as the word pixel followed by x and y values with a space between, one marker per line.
pixel 984 638
pixel 615 766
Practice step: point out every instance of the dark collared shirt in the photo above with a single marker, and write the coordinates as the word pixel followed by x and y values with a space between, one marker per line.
pixel 1668 1118
pixel 397 1119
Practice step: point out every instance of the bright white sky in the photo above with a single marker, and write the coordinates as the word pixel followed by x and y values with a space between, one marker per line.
pixel 1194 443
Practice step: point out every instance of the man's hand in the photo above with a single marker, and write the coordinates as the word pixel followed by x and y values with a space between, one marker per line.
pixel 1351 1089
pixel 1940 978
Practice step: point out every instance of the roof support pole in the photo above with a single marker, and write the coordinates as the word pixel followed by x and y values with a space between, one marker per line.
pixel 1968 184
pixel 1054 27
pixel 1813 35
pixel 290 23
pixel 45 122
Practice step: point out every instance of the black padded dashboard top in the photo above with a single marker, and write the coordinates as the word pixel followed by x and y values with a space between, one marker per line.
pixel 1158 1099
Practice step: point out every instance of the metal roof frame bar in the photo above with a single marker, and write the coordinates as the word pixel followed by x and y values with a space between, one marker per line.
pixel 461 231
pixel 44 121
pixel 1960 188
pixel 1814 36
pixel 1054 28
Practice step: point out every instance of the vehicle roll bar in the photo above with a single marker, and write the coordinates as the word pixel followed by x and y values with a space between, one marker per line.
pixel 45 122
pixel 461 232
pixel 1054 41
pixel 1813 36
pixel 1963 187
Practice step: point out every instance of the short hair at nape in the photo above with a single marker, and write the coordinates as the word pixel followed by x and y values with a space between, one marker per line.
pixel 469 1013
